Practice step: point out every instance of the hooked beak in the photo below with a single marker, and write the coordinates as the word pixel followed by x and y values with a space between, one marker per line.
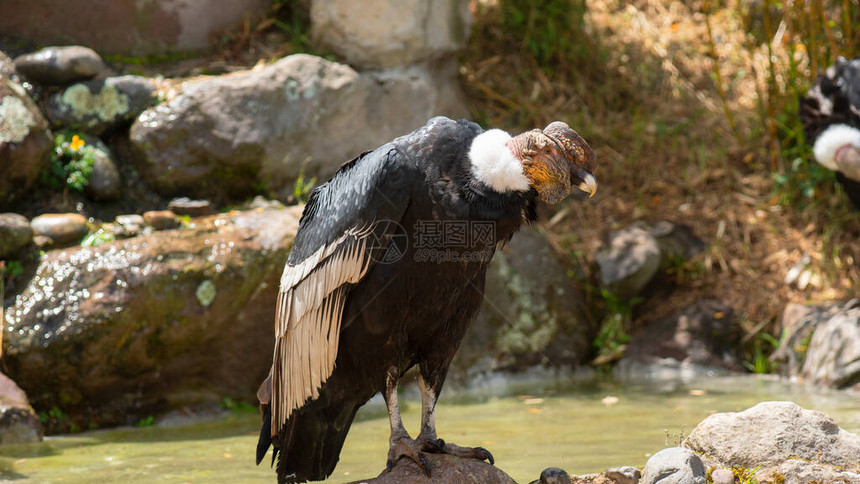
pixel 586 181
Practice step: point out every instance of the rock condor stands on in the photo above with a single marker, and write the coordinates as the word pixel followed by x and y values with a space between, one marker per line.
pixel 387 271
pixel 831 122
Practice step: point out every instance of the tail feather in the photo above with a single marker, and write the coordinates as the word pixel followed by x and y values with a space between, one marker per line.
pixel 309 444
pixel 265 436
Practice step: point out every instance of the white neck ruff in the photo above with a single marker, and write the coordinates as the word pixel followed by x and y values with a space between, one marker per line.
pixel 493 163
pixel 829 142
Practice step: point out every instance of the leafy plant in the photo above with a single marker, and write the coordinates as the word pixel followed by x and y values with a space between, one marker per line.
pixel 71 163
pixel 147 421
pixel 758 357
pixel 303 187
pixel 613 329
pixel 98 237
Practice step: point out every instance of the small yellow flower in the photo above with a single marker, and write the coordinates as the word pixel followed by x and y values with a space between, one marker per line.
pixel 77 143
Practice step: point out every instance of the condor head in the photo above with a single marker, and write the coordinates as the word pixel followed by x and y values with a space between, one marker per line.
pixel 554 160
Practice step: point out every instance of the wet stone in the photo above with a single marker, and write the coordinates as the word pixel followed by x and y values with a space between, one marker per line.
pixel 19 424
pixel 62 228
pixel 15 233
pixel 192 208
pixel 161 219
pixel 553 475
pixel 57 66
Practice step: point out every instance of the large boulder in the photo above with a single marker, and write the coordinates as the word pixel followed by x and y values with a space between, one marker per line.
pixel 19 424
pixel 820 343
pixel 704 334
pixel 100 105
pixel 779 438
pixel 24 141
pixel 58 66
pixel 127 27
pixel 631 257
pixel 257 129
pixel 386 33
pixel 114 333
pixel 532 312
pixel 798 322
pixel 833 358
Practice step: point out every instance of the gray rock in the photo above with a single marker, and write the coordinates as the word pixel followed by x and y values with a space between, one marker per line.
pixel 833 358
pixel 128 27
pixel 553 475
pixel 387 33
pixel 104 183
pixel 7 68
pixel 24 142
pixel 771 433
pixel 794 471
pixel 113 333
pixel 723 476
pixel 704 333
pixel 674 465
pixel 624 475
pixel 532 312
pixel 62 228
pixel 19 424
pixel 15 233
pixel 444 469
pixel 230 135
pixel 192 208
pixel 628 261
pixel 58 66
pixel 161 219
pixel 100 105
pixel 798 323
pixel 631 257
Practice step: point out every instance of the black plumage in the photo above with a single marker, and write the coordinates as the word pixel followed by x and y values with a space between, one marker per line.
pixel 362 256
pixel 834 100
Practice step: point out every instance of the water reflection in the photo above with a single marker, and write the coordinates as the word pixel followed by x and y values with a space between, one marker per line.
pixel 581 426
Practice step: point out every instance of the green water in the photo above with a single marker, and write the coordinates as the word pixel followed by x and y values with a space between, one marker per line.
pixel 579 427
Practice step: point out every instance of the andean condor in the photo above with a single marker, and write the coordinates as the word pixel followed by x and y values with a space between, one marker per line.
pixel 831 122
pixel 387 271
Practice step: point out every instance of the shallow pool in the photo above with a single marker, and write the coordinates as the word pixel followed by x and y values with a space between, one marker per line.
pixel 579 426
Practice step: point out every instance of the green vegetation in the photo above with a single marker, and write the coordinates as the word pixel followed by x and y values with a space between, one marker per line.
pixel 613 334
pixel 71 163
pixel 147 421
pixel 98 237
pixel 237 406
pixel 757 357
pixel 303 187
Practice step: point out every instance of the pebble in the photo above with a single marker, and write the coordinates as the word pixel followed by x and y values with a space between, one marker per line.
pixel 62 228
pixel 57 66
pixel 723 476
pixel 15 233
pixel 624 475
pixel 128 225
pixel 192 208
pixel 161 219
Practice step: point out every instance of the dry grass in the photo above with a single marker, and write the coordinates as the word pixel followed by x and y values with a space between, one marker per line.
pixel 686 112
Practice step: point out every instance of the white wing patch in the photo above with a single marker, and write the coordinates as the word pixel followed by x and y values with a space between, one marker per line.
pixel 308 320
